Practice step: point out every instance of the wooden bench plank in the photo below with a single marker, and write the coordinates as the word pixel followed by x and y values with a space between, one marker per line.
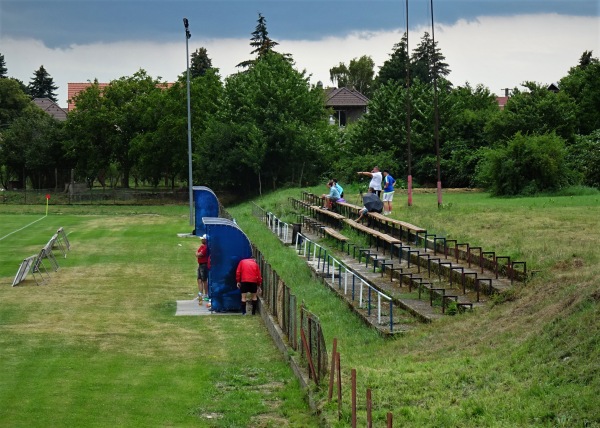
pixel 335 234
pixel 329 213
pixel 396 222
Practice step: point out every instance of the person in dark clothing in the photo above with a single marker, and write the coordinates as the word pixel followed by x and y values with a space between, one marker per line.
pixel 372 204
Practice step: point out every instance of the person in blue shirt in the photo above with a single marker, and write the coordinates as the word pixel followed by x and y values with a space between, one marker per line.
pixel 388 192
pixel 333 195
pixel 339 188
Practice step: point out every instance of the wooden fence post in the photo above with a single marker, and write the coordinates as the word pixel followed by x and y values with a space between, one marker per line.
pixel 369 409
pixel 332 371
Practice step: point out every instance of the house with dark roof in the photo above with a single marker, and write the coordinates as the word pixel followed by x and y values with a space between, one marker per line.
pixel 51 108
pixel 348 105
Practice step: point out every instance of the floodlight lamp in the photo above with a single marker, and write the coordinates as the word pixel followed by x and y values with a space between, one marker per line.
pixel 185 23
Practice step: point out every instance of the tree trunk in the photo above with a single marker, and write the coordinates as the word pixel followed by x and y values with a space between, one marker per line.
pixel 259 185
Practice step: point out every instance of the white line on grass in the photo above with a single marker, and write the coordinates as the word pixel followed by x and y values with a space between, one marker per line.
pixel 24 227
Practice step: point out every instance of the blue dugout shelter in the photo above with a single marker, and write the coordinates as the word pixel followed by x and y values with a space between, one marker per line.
pixel 227 244
pixel 206 205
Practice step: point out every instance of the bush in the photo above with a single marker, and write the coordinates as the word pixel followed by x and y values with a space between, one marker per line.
pixel 526 165
pixel 584 158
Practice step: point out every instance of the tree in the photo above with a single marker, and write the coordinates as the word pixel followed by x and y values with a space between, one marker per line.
pixel 339 75
pixel 395 68
pixel 33 148
pixel 42 85
pixel 584 158
pixel 358 74
pixel 361 74
pixel 201 63
pixel 465 118
pixel 582 84
pixel 383 128
pixel 586 59
pixel 268 126
pixel 262 44
pixel 3 69
pixel 535 111
pixel 12 101
pixel 89 129
pixel 428 61
pixel 163 152
pixel 126 101
pixel 525 165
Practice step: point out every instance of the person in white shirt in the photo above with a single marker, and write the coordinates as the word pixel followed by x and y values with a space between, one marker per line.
pixel 376 179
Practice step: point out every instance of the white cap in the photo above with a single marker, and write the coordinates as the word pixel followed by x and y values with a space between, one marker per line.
pixel 203 236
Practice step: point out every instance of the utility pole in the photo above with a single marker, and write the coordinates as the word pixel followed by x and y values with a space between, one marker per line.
pixel 189 120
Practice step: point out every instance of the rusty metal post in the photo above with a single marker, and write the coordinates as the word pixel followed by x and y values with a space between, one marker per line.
pixel 339 384
pixel 353 379
pixel 369 409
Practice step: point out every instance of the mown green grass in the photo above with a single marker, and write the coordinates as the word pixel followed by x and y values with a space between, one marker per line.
pixel 99 345
pixel 115 354
pixel 529 361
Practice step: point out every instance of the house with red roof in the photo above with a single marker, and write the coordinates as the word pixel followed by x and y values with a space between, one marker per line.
pixel 75 88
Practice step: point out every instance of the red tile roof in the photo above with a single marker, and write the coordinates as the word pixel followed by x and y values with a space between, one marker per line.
pixel 75 88
pixel 502 101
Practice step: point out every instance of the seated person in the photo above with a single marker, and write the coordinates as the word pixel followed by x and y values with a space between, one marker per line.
pixel 333 195
pixel 372 204
pixel 340 188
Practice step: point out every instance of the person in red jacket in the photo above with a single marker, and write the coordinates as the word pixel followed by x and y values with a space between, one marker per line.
pixel 249 280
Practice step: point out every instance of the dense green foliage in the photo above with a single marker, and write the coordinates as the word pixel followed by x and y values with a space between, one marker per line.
pixel 357 75
pixel 584 158
pixel 525 165
pixel 269 128
pixel 266 127
pixel 32 147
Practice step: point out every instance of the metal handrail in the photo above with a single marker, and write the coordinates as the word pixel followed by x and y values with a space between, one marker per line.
pixel 331 265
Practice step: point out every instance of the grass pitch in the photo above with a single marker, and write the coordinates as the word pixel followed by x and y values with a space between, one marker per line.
pixel 98 344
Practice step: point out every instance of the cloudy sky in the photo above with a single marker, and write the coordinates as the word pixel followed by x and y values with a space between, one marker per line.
pixel 497 43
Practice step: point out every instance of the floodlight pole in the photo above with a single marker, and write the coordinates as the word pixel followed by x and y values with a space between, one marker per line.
pixel 436 113
pixel 408 119
pixel 189 120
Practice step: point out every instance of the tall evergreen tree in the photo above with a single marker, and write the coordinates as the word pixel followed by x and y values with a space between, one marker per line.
pixel 586 59
pixel 262 44
pixel 395 68
pixel 201 63
pixel 582 84
pixel 428 61
pixel 3 69
pixel 42 85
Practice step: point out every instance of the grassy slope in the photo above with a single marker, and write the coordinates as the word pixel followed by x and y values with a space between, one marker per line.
pixel 99 344
pixel 531 361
